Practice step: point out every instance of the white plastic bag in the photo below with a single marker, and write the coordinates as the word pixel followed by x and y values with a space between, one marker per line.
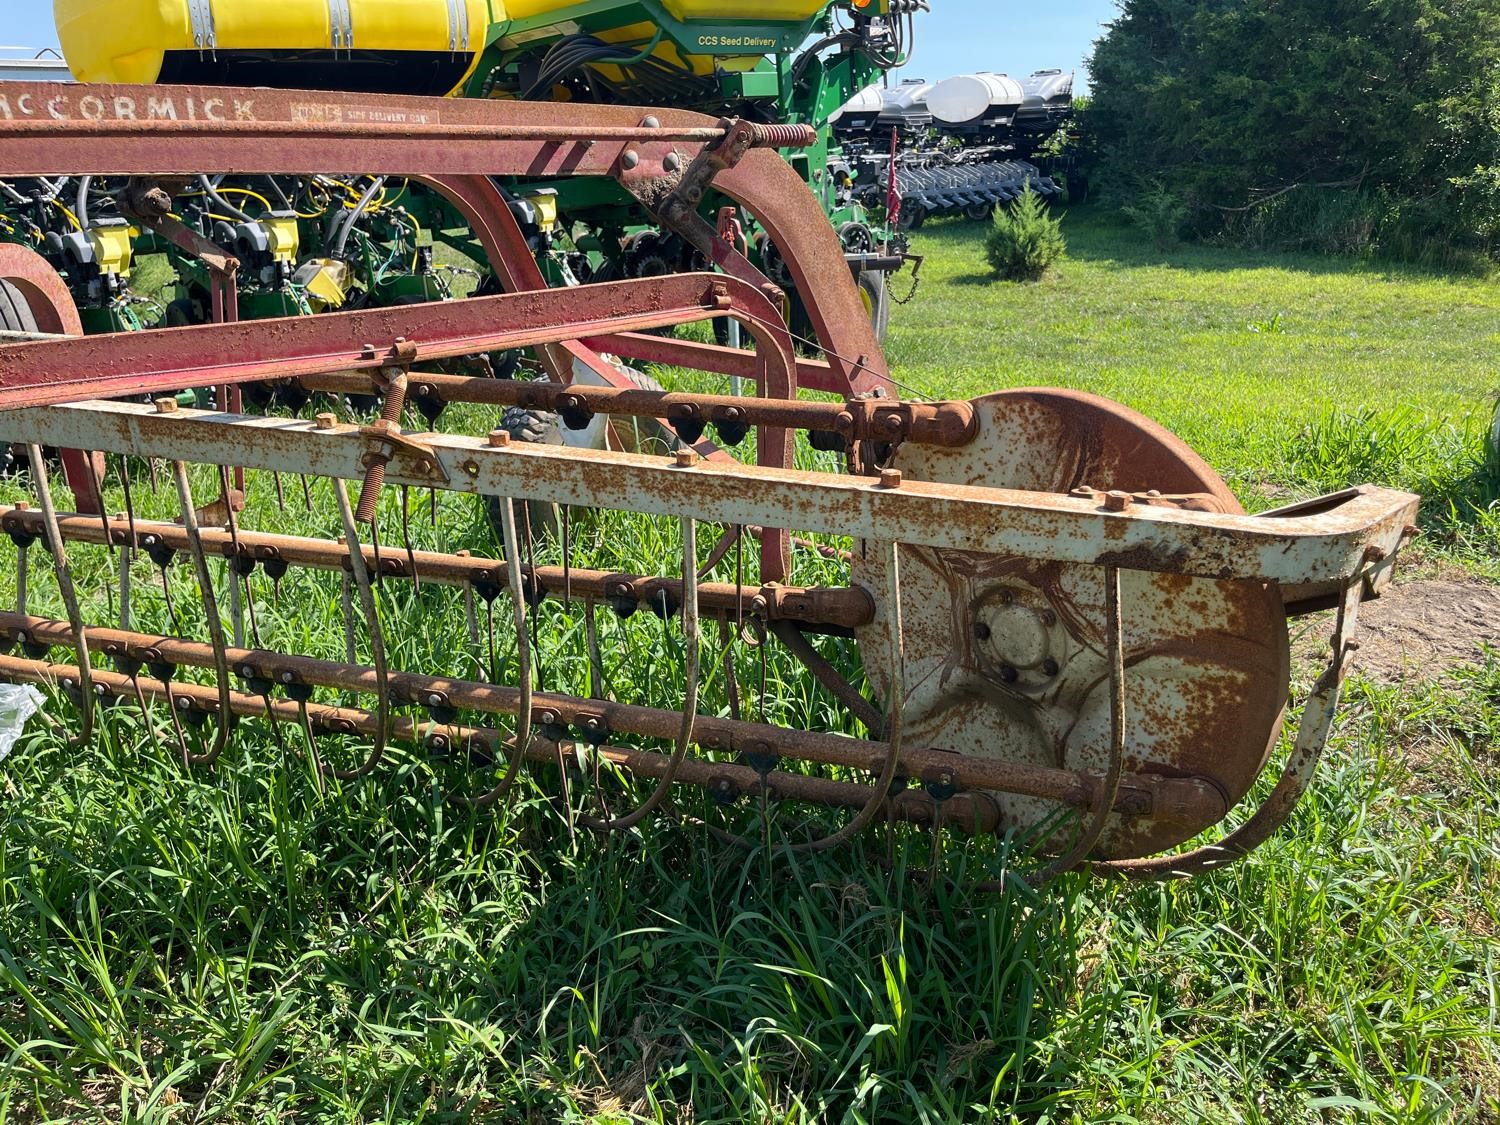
pixel 18 702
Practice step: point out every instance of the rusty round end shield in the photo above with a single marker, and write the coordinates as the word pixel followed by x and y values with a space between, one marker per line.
pixel 1006 657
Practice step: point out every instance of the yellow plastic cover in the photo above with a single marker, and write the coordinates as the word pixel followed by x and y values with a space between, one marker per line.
pixel 128 40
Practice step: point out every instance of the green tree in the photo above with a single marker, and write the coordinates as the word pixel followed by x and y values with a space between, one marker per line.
pixel 1241 104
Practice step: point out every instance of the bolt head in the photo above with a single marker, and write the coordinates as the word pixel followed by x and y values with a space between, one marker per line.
pixel 1117 501
pixel 325 421
pixel 165 405
pixel 650 122
pixel 890 478
pixel 672 162
pixel 687 457
pixel 499 439
pixel 631 159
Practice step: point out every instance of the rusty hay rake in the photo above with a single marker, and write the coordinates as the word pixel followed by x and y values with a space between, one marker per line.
pixel 1066 622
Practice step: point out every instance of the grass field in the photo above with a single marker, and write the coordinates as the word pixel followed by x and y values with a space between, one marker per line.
pixel 236 945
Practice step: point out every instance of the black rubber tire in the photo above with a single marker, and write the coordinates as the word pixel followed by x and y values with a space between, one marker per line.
pixel 15 313
pixel 541 427
pixel 15 316
pixel 874 288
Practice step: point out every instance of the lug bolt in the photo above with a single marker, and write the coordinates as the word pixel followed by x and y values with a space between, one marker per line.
pixel 1049 667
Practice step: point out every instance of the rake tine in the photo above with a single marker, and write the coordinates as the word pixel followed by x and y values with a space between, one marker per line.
pixel 65 586
pixel 346 597
pixel 182 745
pixel 567 793
pixel 690 641
pixel 523 668
pixel 882 789
pixel 597 688
pixel 127 555
pixel 529 564
pixel 166 590
pixel 211 610
pixel 376 638
pixel 280 493
pixel 312 748
pixel 731 681
pixel 151 476
pixel 22 566
pixel 411 554
pixel 97 479
pixel 236 608
pixel 306 492
pixel 379 577
pixel 250 607
pixel 489 623
pixel 1106 803
pixel 739 578
pixel 140 699
pixel 567 547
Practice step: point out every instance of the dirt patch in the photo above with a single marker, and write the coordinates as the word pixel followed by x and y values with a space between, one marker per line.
pixel 1419 630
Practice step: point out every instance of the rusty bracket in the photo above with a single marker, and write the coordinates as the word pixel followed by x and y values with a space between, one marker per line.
pixel 149 202
pixel 384 442
pixel 948 424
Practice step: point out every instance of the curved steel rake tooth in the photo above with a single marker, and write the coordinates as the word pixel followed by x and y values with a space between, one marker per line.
pixel 523 667
pixel 411 554
pixel 897 691
pixel 64 573
pixel 211 611
pixel 1105 805
pixel 377 639
pixel 690 640
pixel 23 565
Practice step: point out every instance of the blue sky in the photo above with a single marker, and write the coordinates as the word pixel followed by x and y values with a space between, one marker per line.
pixel 1014 36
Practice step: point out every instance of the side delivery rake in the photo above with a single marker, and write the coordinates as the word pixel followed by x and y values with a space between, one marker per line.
pixel 1068 626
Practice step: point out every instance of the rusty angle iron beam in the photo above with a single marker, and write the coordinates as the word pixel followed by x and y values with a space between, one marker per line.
pixel 1326 546
pixel 56 370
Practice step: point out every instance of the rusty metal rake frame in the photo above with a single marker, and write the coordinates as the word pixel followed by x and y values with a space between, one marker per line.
pixel 1338 551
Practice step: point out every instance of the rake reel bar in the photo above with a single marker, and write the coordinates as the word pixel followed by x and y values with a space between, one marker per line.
pixel 1068 626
